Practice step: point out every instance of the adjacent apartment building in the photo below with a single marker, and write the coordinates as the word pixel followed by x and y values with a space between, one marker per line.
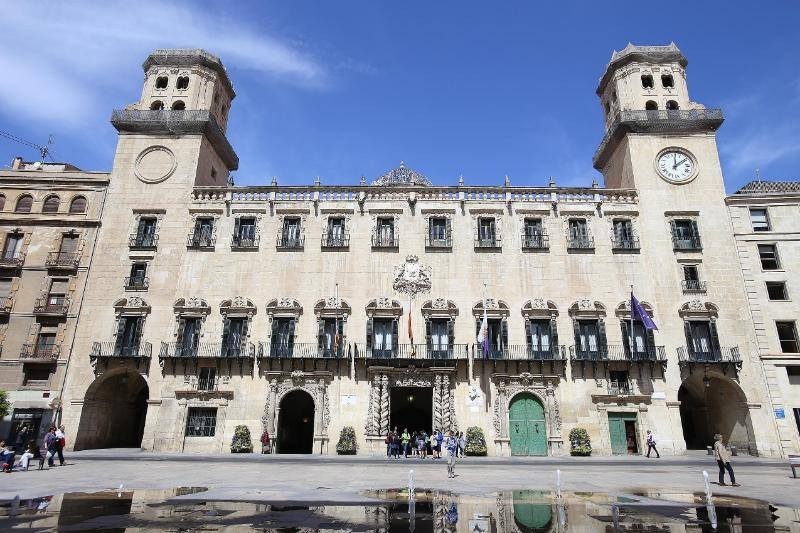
pixel 299 310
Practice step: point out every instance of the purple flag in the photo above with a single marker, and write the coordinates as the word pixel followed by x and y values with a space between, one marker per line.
pixel 638 313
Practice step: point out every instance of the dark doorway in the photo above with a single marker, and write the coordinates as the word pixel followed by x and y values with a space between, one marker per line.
pixel 412 408
pixel 630 436
pixel 114 412
pixel 296 423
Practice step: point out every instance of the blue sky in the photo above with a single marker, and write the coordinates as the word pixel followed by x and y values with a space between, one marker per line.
pixel 341 89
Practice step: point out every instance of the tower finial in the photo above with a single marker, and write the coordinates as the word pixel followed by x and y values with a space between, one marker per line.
pixel 758 175
pixel 506 182
pixel 274 181
pixel 461 180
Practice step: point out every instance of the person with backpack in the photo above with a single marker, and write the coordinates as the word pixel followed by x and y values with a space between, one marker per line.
pixel 651 444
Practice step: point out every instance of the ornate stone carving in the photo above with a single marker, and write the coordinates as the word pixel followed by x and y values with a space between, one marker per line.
pixel 437 403
pixel 402 176
pixel 539 303
pixel 384 405
pixel 239 301
pixel 585 304
pixel 383 303
pixel 413 381
pixel 373 412
pixel 511 386
pixel 439 304
pixel 695 305
pixel 447 403
pixel 135 301
pixel 411 277
pixel 286 303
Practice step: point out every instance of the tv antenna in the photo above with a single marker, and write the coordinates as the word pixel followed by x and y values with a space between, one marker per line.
pixel 44 151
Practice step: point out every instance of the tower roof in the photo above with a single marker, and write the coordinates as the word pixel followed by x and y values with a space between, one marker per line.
pixel 647 54
pixel 186 57
pixel 765 187
pixel 402 176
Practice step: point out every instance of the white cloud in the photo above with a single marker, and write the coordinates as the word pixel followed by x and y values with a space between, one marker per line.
pixel 69 61
pixel 751 150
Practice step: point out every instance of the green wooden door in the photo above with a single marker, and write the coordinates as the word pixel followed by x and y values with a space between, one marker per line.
pixel 616 430
pixel 532 510
pixel 526 426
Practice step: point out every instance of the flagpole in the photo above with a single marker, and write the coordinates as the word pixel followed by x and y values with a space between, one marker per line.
pixel 631 332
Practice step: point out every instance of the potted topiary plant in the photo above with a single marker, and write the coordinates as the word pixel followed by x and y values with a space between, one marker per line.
pixel 241 440
pixel 476 442
pixel 579 442
pixel 347 441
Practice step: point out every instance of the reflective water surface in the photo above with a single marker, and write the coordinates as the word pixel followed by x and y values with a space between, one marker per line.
pixel 518 511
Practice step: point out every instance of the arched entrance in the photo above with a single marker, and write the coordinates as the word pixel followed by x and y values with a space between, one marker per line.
pixel 114 412
pixel 526 426
pixel 712 403
pixel 296 423
pixel 532 511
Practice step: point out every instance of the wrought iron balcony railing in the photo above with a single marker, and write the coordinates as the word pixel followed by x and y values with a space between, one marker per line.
pixel 686 242
pixel 143 241
pixel 619 352
pixel 207 350
pixel 488 242
pixel 520 352
pixel 206 384
pixel 115 349
pixel 6 303
pixel 200 240
pixel 584 242
pixel 724 354
pixel 335 240
pixel 535 241
pixel 40 352
pixel 12 260
pixel 412 351
pixel 290 242
pixel 51 305
pixel 137 283
pixel 296 350
pixel 63 260
pixel 625 243
pixel 620 388
pixel 693 285
pixel 439 242
pixel 380 240
pixel 248 242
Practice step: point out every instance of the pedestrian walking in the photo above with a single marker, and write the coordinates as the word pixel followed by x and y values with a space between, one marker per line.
pixel 405 439
pixel 394 446
pixel 451 446
pixel 439 440
pixel 723 457
pixel 62 441
pixel 51 445
pixel 651 444
pixel 265 443
pixel 462 443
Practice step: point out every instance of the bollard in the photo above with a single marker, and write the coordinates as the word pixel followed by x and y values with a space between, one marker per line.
pixel 710 450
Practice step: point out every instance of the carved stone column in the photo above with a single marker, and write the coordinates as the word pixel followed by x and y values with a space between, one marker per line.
pixel 447 403
pixel 384 405
pixel 373 410
pixel 268 418
pixel 437 403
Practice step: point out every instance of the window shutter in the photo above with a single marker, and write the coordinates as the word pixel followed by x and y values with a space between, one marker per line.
pixel 137 335
pixel 237 228
pixel 369 334
pixel 650 341
pixel 395 339
pixel 226 330
pixel 450 332
pixel 179 338
pixel 291 334
pixel 120 335
pixel 626 338
pixel 503 333
pixel 712 328
pixel 576 328
pixel 687 329
pixel 275 335
pixel 321 334
pixel 601 334
pixel 528 335
pixel 673 230
pixel 695 232
pixel 477 327
pixel 428 332
pixel 553 335
pixel 448 229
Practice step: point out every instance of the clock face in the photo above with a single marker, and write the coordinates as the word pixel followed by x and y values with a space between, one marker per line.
pixel 676 166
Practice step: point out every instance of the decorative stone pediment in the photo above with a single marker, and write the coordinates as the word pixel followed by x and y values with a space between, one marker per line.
pixel 440 306
pixel 191 306
pixel 698 308
pixel 284 306
pixel 624 308
pixel 332 307
pixel 131 305
pixel 588 307
pixel 543 388
pixel 402 176
pixel 238 305
pixel 494 308
pixel 384 306
pixel 539 307
pixel 411 277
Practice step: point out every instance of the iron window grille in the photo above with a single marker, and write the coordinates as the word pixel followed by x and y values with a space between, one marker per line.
pixel 201 422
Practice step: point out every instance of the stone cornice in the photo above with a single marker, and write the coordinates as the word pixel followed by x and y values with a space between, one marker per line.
pixel 189 57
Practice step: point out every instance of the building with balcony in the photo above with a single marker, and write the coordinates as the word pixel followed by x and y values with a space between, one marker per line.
pixel 49 216
pixel 254 324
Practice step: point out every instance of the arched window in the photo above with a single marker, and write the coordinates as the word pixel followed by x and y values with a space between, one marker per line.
pixel 161 82
pixel 178 105
pixel 158 105
pixel 647 81
pixel 667 81
pixel 672 104
pixel 51 204
pixel 24 204
pixel 651 105
pixel 78 205
pixel 182 83
pixel 2 202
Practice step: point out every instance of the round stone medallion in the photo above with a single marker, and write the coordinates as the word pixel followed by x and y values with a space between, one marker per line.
pixel 155 164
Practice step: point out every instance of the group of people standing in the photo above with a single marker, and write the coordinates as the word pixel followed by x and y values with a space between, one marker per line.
pixel 423 445
pixel 27 448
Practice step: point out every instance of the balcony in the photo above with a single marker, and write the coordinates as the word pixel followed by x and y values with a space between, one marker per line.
pixel 47 305
pixel 201 241
pixel 583 242
pixel 722 355
pixel 488 243
pixel 521 352
pixel 137 283
pixel 620 388
pixel 142 242
pixel 108 349
pixel 693 285
pixel 290 242
pixel 385 241
pixel 40 352
pixel 625 244
pixel 242 242
pixel 413 352
pixel 335 241
pixel 299 351
pixel 619 352
pixel 207 350
pixel 12 260
pixel 687 243
pixel 6 303
pixel 439 242
pixel 535 241
pixel 63 260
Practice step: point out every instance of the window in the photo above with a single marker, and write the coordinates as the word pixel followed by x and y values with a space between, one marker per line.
pixel 330 342
pixel 282 341
pixel 129 335
pixel 158 105
pixel 497 332
pixel 793 373
pixel 702 340
pixel 590 338
pixel 161 82
pixel 138 278
pixel 77 205
pixel 623 235
pixel 642 340
pixel 291 233
pixel 69 244
pixel 46 343
pixel 685 235
pixel 487 232
pixel 244 232
pixel 201 422
pixel 691 279
pixel 787 336
pixel 539 335
pixel 768 253
pixel 533 236
pixel 203 235
pixel 759 219
pixel 207 379
pixel 651 105
pixel 57 295
pixel 384 233
pixel 188 337
pixel 37 374
pixel 439 232
pixel 578 234
pixel 619 382
pixel 672 105
pixel 182 82
pixel 335 234
pixel 439 336
pixel 234 334
pixel 145 236
pixel 178 105
pixel 776 290
pixel 51 204
pixel 2 201
pixel 647 81
pixel 13 246
pixel 667 81
pixel 384 337
pixel 24 204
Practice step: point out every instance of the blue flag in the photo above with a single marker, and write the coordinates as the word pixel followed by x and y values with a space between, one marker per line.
pixel 638 313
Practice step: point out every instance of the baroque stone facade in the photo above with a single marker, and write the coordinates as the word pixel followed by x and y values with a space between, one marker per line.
pixel 302 310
